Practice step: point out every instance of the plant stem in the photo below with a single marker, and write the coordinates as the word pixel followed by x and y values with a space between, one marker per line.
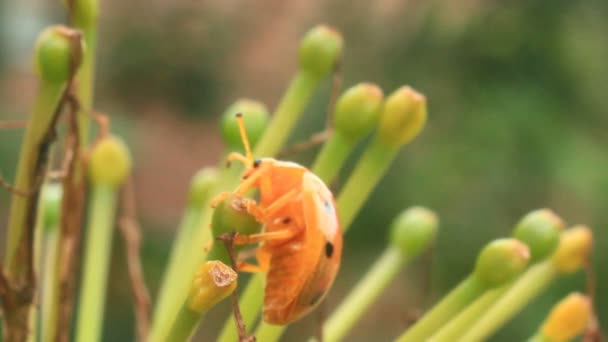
pixel 373 164
pixel 364 294
pixel 516 297
pixel 287 114
pixel 50 284
pixel 332 156
pixel 98 250
pixel 184 325
pixel 250 304
pixel 450 305
pixel 269 332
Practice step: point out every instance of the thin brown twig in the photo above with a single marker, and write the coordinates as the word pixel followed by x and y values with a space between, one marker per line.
pixel 131 233
pixel 12 189
pixel 13 124
pixel 228 240
pixel 593 332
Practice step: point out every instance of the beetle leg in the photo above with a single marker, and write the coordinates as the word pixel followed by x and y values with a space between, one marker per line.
pixel 263 257
pixel 283 234
pixel 237 156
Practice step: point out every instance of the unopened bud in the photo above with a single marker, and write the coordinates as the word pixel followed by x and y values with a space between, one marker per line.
pixel 403 117
pixel 231 215
pixel 357 110
pixel 413 230
pixel 320 50
pixel 201 186
pixel 568 318
pixel 539 230
pixel 573 249
pixel 110 162
pixel 58 51
pixel 213 282
pixel 255 117
pixel 501 261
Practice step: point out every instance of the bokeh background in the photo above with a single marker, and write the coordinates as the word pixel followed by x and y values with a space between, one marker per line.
pixel 517 121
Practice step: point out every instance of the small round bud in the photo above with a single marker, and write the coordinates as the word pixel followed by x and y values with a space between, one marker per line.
pixel 540 231
pixel 57 52
pixel 568 318
pixel 231 215
pixel 357 110
pixel 573 249
pixel 320 50
pixel 413 230
pixel 51 196
pixel 110 162
pixel 501 261
pixel 255 117
pixel 213 282
pixel 201 186
pixel 403 117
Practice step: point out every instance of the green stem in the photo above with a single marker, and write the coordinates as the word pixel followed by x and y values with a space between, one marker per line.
pixel 538 337
pixel 373 164
pixel 268 332
pixel 287 114
pixel 529 285
pixel 184 325
pixel 50 284
pixel 332 156
pixel 250 302
pixel 38 124
pixel 364 294
pixel 450 305
pixel 460 324
pixel 98 250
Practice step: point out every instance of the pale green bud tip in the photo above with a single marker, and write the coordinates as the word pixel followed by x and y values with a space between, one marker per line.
pixel 573 250
pixel 358 109
pixel 201 186
pixel 51 196
pixel 540 231
pixel 58 52
pixel 255 117
pixel 413 230
pixel 501 261
pixel 568 318
pixel 320 50
pixel 403 116
pixel 110 162
pixel 230 215
pixel 213 282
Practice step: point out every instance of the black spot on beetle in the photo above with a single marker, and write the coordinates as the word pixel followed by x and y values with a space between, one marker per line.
pixel 329 249
pixel 287 220
pixel 316 298
pixel 257 162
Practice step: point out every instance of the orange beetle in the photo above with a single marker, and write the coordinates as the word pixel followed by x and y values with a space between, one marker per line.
pixel 301 239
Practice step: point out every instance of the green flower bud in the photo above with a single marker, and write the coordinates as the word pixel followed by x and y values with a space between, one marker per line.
pixel 110 162
pixel 568 318
pixel 213 282
pixel 413 230
pixel 58 51
pixel 540 231
pixel 51 196
pixel 357 110
pixel 83 12
pixel 501 261
pixel 403 116
pixel 230 215
pixel 320 50
pixel 201 186
pixel 255 116
pixel 573 250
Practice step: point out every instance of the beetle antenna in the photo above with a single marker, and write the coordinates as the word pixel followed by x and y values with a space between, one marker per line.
pixel 241 122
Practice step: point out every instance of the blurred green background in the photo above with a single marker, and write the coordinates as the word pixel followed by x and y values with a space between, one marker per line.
pixel 517 121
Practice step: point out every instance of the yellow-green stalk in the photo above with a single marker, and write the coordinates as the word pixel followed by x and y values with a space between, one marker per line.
pixel 567 319
pixel 498 263
pixel 83 16
pixel 540 231
pixel 50 202
pixel 571 254
pixel 108 168
pixel 403 116
pixel 212 283
pixel 411 233
pixel 356 114
pixel 57 56
pixel 320 50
